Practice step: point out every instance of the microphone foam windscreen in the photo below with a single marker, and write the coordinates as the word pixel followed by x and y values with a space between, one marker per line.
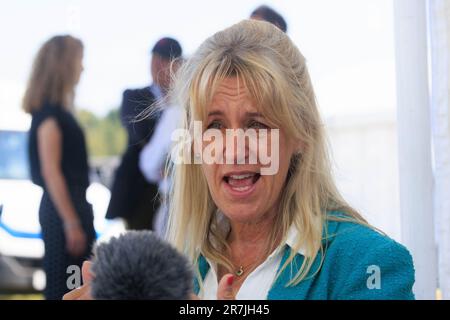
pixel 140 266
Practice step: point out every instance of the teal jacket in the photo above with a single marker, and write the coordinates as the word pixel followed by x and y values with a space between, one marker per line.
pixel 360 263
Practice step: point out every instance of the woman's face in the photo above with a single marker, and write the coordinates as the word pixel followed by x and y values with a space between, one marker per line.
pixel 239 190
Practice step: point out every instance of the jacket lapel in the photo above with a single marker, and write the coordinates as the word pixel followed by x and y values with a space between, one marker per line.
pixel 280 290
pixel 203 268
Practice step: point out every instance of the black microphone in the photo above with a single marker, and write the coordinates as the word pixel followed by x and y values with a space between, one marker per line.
pixel 138 265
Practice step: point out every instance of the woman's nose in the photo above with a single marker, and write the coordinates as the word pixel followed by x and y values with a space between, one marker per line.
pixel 237 146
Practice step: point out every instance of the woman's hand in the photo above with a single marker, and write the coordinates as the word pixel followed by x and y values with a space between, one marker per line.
pixel 75 239
pixel 83 292
pixel 224 290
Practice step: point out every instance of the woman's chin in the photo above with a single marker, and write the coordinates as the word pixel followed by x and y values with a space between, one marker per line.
pixel 242 213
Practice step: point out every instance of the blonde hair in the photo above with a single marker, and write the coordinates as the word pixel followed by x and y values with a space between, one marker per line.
pixel 274 71
pixel 53 75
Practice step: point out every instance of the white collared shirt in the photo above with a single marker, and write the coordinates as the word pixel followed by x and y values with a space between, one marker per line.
pixel 258 283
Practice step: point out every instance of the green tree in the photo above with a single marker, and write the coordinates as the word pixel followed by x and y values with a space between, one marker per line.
pixel 105 135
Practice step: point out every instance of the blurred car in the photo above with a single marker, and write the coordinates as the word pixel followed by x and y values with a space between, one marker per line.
pixel 21 246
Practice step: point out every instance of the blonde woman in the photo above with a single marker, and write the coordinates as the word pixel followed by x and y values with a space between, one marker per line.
pixel 289 235
pixel 58 160
pixel 256 233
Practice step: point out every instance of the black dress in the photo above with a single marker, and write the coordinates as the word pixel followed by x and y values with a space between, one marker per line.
pixel 75 169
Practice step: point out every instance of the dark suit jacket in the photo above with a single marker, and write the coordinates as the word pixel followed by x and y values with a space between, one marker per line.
pixel 129 186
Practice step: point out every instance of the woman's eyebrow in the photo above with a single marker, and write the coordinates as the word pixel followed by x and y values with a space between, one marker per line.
pixel 215 113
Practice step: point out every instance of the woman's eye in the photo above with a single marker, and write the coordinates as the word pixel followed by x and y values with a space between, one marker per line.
pixel 215 125
pixel 257 125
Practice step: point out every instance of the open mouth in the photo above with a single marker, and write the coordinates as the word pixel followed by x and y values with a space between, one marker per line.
pixel 241 182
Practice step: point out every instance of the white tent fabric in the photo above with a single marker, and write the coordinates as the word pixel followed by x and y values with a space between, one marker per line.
pixel 414 142
pixel 439 26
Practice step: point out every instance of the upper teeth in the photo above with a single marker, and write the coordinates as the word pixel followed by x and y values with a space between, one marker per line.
pixel 241 176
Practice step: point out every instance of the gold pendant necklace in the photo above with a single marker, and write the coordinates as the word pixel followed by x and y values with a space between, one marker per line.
pixel 246 268
pixel 240 271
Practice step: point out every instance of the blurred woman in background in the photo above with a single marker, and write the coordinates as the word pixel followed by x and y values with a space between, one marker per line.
pixel 58 160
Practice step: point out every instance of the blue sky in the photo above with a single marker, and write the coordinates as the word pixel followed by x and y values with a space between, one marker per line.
pixel 348 44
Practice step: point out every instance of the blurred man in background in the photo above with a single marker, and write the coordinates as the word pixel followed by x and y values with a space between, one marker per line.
pixel 153 156
pixel 132 197
pixel 266 13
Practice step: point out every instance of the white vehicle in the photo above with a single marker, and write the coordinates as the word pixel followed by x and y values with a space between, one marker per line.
pixel 21 246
